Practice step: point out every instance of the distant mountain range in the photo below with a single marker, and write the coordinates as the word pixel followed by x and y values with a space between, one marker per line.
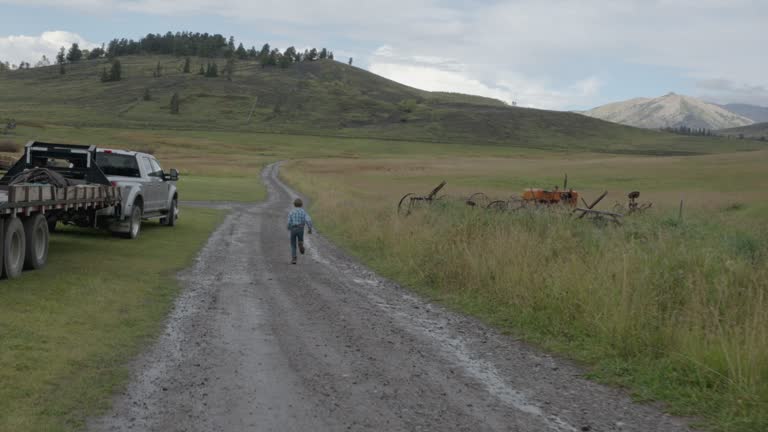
pixel 754 131
pixel 758 114
pixel 674 110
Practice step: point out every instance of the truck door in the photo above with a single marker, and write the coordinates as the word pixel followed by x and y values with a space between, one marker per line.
pixel 163 190
pixel 151 186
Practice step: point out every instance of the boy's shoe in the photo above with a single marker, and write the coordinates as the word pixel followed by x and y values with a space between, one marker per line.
pixel 293 261
pixel 301 247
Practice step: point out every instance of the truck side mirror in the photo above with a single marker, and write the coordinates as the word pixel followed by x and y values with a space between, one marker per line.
pixel 174 174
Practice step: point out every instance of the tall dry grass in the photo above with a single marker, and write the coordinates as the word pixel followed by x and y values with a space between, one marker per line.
pixel 677 310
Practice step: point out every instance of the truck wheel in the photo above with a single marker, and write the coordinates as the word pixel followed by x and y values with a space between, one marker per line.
pixel 173 214
pixel 52 224
pixel 135 227
pixel 36 239
pixel 13 248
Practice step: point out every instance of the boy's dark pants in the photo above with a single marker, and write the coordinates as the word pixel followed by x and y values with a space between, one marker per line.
pixel 297 234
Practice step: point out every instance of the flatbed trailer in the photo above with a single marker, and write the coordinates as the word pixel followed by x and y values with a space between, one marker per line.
pixel 27 209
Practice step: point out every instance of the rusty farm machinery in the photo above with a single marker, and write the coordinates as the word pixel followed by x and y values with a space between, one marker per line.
pixel 564 198
pixel 557 198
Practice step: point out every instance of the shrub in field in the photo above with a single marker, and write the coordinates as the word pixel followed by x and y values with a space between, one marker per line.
pixel 175 103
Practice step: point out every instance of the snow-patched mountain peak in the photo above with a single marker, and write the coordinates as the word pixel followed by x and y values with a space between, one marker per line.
pixel 670 110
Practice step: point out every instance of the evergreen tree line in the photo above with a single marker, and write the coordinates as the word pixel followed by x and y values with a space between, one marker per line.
pixel 182 44
pixel 7 66
pixel 188 44
pixel 685 130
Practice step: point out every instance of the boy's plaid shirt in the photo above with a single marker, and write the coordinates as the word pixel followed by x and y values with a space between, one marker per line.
pixel 299 217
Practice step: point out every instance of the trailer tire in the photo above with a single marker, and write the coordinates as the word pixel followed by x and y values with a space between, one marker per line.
pixel 36 239
pixel 52 225
pixel 13 248
pixel 137 212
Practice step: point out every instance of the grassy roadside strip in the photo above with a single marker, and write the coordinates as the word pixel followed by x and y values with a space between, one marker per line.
pixel 674 311
pixel 66 331
pixel 231 189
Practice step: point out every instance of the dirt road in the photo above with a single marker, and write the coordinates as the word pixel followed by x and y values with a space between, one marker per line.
pixel 256 344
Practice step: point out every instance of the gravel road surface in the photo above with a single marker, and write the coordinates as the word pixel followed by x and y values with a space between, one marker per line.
pixel 257 344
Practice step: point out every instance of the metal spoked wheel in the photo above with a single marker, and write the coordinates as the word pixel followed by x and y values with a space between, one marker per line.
pixel 498 205
pixel 478 199
pixel 516 203
pixel 404 206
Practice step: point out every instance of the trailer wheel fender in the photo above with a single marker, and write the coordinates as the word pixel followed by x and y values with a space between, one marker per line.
pixel 14 245
pixel 36 239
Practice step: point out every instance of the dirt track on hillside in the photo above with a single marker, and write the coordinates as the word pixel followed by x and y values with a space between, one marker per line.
pixel 256 344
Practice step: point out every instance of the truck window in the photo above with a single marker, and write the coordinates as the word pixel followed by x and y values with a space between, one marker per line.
pixel 156 168
pixel 146 165
pixel 113 164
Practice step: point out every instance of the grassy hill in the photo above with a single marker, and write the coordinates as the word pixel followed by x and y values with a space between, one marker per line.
pixel 317 98
pixel 757 130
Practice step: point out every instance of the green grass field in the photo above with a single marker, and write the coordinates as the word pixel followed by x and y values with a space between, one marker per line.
pixel 233 189
pixel 67 331
pixel 672 309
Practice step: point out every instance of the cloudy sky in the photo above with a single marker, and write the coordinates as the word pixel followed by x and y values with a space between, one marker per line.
pixel 555 54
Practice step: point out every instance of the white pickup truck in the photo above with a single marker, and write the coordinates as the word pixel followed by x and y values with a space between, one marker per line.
pixel 146 191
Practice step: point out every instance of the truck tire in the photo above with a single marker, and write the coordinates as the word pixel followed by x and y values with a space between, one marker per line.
pixel 137 212
pixel 172 217
pixel 13 248
pixel 52 221
pixel 36 239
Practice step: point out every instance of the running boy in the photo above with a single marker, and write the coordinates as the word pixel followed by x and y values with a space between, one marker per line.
pixel 297 219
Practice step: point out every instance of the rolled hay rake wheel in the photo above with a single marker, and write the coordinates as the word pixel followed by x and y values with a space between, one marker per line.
pixel 404 206
pixel 516 203
pixel 478 199
pixel 498 205
pixel 410 200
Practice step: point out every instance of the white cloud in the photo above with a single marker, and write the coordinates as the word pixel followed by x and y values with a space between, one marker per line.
pixel 724 91
pixel 15 49
pixel 443 74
